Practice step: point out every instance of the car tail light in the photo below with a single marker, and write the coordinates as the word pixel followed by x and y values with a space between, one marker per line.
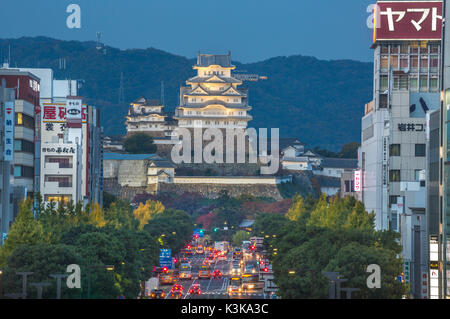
pixel 266 269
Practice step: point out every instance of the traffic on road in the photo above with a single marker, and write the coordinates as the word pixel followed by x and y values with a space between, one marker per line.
pixel 214 271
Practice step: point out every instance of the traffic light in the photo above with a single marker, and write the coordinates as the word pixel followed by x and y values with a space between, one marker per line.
pixel 266 269
pixel 196 236
pixel 261 262
pixel 164 269
pixel 188 246
pixel 252 247
pixel 215 229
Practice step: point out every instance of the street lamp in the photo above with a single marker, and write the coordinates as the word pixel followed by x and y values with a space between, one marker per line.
pixel 291 272
pixel 106 267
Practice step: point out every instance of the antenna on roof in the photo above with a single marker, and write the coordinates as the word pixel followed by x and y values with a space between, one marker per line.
pixel 162 93
pixel 9 54
pixel 121 90
pixel 99 35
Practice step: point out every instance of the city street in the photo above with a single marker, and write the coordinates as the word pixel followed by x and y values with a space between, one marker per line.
pixel 210 288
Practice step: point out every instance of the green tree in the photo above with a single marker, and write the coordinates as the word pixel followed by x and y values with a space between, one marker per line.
pixel 120 215
pixel 239 237
pixel 140 143
pixel 25 230
pixel 297 209
pixel 349 150
pixel 146 212
pixel 43 260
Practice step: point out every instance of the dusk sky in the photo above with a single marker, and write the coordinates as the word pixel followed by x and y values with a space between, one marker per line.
pixel 253 30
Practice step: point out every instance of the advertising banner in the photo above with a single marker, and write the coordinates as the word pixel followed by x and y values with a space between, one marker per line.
pixel 407 20
pixel 8 140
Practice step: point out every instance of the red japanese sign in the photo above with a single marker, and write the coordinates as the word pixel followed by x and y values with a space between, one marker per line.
pixel 408 20
pixel 58 113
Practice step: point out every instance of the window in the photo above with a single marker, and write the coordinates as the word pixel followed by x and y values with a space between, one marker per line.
pixel 414 61
pixel 394 175
pixel 62 180
pixel 383 82
pixel 23 171
pixel 383 101
pixel 384 62
pixel 347 186
pixel 424 62
pixel 394 150
pixel 417 175
pixel 392 200
pixel 19 120
pixel 23 146
pixel 404 62
pixel 423 83
pixel 434 84
pixel 434 61
pixel 413 83
pixel 64 162
pixel 352 188
pixel 24 120
pixel 58 198
pixel 420 150
pixel 394 61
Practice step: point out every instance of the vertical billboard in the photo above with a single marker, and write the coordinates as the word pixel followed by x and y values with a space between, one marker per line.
pixel 74 111
pixel 407 20
pixel 357 180
pixel 8 140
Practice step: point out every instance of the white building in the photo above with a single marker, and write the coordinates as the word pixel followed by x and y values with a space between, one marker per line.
pixel 61 172
pixel 212 98
pixel 148 116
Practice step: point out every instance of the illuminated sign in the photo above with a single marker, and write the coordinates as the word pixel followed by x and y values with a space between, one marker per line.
pixel 8 140
pixel 407 20
pixel 357 179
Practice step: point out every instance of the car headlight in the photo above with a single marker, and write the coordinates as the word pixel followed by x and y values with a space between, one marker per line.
pixel 251 286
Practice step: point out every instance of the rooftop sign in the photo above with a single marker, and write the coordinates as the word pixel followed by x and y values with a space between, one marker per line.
pixel 407 20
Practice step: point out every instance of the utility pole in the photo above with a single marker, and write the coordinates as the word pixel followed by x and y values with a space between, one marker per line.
pixel 162 93
pixel 121 90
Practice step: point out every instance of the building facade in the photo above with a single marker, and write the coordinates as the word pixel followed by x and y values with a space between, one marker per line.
pixel 148 116
pixel 27 93
pixel 439 229
pixel 393 149
pixel 82 134
pixel 212 98
pixel 6 159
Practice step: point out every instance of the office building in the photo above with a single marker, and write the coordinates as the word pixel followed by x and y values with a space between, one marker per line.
pixel 407 48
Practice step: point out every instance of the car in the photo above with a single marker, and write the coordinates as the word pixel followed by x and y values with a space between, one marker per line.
pixel 176 291
pixel 204 272
pixel 237 253
pixel 195 290
pixel 250 269
pixel 209 260
pixel 177 294
pixel 236 269
pixel 234 286
pixel 157 294
pixel 217 274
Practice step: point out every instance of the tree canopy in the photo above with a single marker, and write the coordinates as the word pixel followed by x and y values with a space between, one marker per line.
pixel 140 143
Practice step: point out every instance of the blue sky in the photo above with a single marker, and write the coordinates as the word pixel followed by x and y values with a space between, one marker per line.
pixel 253 30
